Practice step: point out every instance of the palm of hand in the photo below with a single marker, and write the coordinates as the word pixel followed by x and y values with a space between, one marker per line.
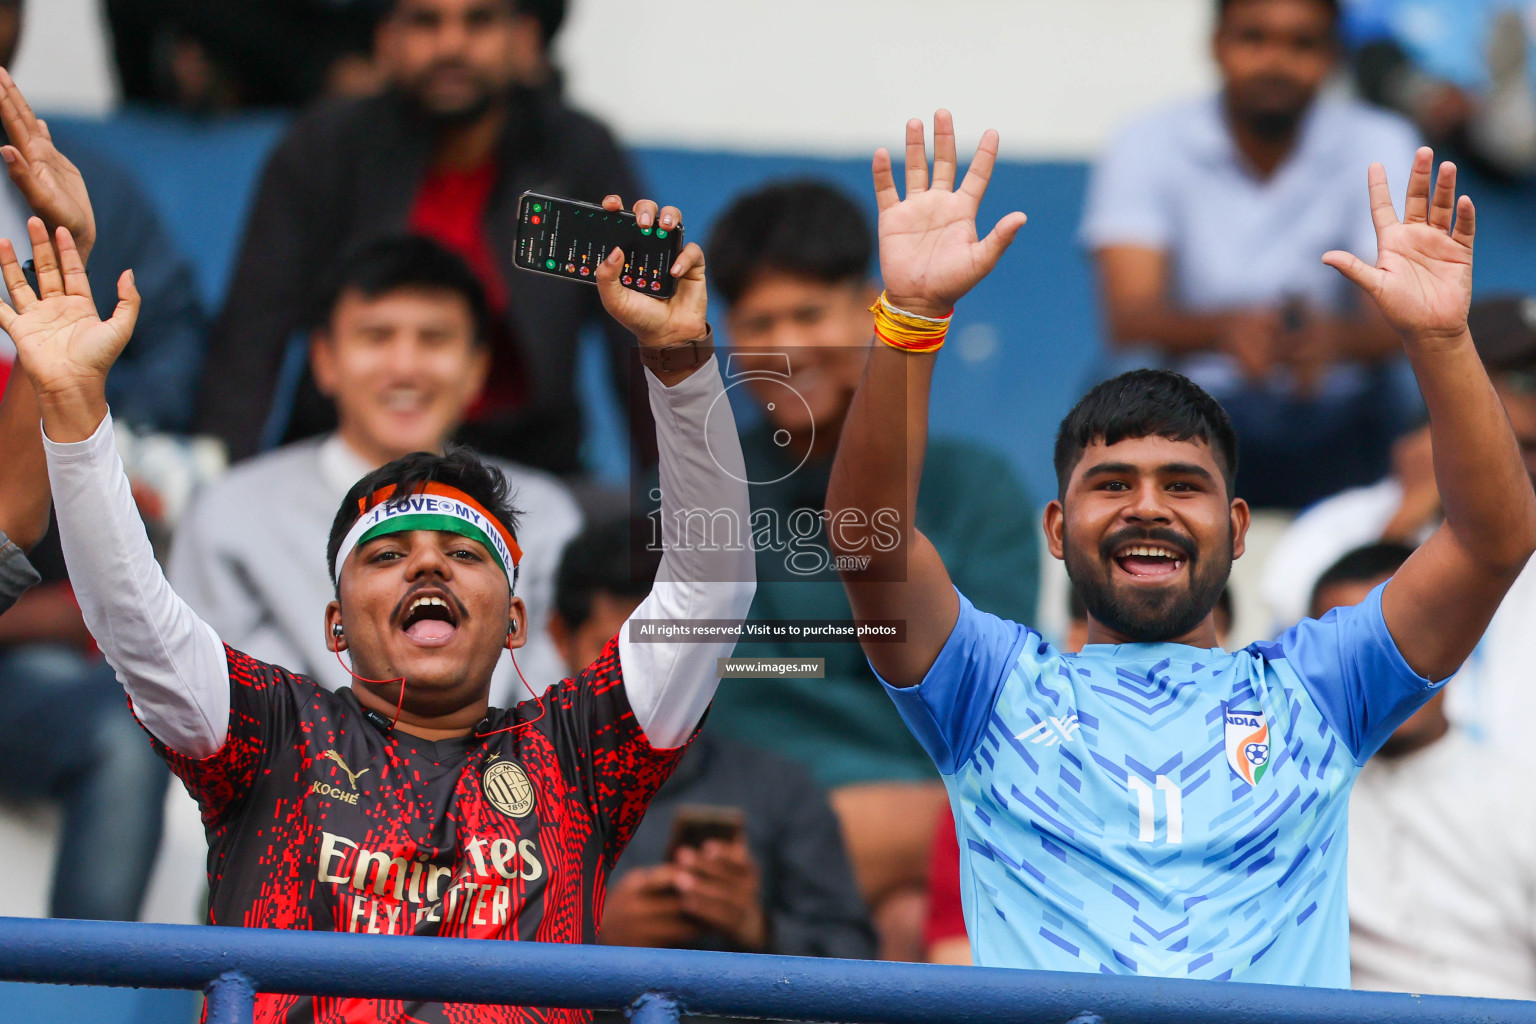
pixel 928 247
pixel 667 321
pixel 62 338
pixel 1426 280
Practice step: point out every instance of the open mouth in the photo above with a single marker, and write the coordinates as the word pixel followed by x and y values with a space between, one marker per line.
pixel 1149 560
pixel 430 619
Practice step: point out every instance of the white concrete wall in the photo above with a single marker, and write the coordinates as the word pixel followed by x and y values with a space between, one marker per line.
pixel 804 76
pixel 842 76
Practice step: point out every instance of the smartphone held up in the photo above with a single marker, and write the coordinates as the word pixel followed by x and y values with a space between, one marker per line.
pixel 565 238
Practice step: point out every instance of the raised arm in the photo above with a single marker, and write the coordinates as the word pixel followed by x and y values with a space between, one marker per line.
pixel 53 188
pixel 1440 601
pixel 703 575
pixel 930 257
pixel 171 663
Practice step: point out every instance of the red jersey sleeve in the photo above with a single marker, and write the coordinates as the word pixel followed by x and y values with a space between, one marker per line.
pixel 946 916
pixel 261 710
pixel 608 754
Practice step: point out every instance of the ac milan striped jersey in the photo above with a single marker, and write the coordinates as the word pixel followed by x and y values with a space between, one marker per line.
pixel 319 818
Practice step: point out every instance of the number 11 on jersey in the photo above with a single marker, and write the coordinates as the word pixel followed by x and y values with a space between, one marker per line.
pixel 1146 809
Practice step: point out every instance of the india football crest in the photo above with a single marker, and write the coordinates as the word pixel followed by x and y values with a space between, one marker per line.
pixel 1247 744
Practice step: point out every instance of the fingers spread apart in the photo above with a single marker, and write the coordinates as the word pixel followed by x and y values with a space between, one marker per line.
pixel 1442 206
pixel 945 160
pixel 22 296
pixel 45 261
pixel 917 158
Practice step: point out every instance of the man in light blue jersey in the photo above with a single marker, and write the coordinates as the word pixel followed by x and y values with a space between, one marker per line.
pixel 1156 805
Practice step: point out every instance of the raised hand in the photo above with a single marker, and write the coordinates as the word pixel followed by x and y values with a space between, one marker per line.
pixel 1422 280
pixel 51 185
pixel 655 321
pixel 930 255
pixel 64 347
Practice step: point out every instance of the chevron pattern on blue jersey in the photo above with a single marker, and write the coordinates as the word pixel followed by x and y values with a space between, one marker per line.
pixel 1102 826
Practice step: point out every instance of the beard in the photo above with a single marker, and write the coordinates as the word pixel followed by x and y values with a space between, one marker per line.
pixel 469 110
pixel 1148 614
pixel 1270 107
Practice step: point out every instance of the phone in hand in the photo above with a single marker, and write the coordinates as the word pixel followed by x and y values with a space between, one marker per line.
pixel 564 238
pixel 696 824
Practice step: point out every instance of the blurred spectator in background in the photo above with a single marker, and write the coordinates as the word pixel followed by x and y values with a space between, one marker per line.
pixel 1493 697
pixel 783 884
pixel 944 934
pixel 203 56
pixel 102 773
pixel 1461 69
pixel 792 262
pixel 1442 843
pixel 402 352
pixel 23 493
pixel 152 386
pixel 1208 221
pixel 447 149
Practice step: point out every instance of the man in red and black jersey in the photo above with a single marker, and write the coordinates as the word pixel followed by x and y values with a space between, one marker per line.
pixel 404 805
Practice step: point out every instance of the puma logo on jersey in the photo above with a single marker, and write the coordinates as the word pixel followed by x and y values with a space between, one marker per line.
pixel 1052 731
pixel 352 776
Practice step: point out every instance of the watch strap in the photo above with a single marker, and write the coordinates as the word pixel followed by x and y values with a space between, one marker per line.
pixel 685 355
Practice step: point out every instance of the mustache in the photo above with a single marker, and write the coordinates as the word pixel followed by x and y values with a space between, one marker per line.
pixel 1154 534
pixel 448 64
pixel 410 595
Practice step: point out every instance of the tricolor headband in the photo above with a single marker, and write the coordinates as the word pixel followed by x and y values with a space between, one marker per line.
pixel 432 506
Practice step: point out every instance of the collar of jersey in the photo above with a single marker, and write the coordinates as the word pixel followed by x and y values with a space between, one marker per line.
pixel 1152 652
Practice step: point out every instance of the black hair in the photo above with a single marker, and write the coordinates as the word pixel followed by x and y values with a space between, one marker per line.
pixel 1362 565
pixel 605 558
pixel 802 228
pixel 390 263
pixel 550 14
pixel 1145 403
pixel 457 467
pixel 1332 5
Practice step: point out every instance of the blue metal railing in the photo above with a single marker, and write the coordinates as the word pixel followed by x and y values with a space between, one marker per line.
pixel 230 964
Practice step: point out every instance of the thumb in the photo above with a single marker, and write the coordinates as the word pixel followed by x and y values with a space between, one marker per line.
pixel 1001 237
pixel 1354 268
pixel 126 313
pixel 608 286
pixel 691 289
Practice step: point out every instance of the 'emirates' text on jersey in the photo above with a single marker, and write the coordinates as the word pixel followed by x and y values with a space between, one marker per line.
pixel 1160 809
pixel 318 819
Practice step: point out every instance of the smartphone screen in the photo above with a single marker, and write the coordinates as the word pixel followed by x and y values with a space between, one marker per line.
pixel 569 239
pixel 696 824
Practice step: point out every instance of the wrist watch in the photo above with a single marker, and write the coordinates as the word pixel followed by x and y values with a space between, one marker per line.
pixel 685 355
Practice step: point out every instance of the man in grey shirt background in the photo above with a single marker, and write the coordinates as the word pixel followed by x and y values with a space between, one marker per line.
pixel 402 353
pixel 1206 220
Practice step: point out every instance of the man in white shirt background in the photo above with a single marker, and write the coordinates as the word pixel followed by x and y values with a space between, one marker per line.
pixel 401 351
pixel 1442 843
pixel 1494 696
pixel 1207 220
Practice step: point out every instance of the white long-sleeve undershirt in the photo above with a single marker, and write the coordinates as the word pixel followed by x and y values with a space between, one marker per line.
pixel 172 663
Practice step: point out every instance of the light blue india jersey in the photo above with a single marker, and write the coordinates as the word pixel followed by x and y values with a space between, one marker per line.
pixel 1160 809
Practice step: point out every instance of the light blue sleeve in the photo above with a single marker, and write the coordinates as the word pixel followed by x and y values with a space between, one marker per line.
pixel 1127 203
pixel 949 708
pixel 1351 667
pixel 1382 137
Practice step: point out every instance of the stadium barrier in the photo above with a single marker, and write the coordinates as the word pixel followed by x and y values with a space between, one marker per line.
pixel 655 986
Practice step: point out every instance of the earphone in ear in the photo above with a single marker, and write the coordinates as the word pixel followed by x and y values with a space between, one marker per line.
pixel 336 630
pixel 511 627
